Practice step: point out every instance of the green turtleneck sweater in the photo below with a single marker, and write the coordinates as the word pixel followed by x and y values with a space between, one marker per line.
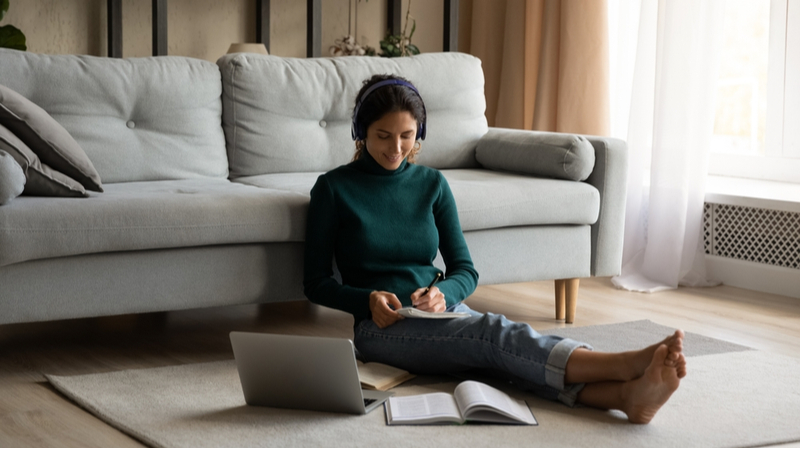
pixel 384 228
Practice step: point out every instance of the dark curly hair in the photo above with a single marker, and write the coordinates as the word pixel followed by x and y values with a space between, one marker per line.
pixel 387 99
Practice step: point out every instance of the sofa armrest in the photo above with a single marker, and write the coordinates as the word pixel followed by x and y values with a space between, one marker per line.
pixel 552 155
pixel 563 155
pixel 610 177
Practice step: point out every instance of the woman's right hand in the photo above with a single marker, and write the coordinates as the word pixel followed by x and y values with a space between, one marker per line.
pixel 379 305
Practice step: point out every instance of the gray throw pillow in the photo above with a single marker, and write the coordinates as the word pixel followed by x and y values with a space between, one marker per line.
pixel 47 138
pixel 552 155
pixel 12 179
pixel 41 179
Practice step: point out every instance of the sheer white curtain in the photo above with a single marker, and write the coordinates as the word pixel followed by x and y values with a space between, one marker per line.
pixel 664 66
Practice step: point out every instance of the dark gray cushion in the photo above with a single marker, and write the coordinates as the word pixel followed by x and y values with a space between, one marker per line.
pixel 554 155
pixel 12 179
pixel 42 180
pixel 47 138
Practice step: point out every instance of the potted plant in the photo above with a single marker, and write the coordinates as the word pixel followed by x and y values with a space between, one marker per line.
pixel 10 36
pixel 347 45
pixel 395 45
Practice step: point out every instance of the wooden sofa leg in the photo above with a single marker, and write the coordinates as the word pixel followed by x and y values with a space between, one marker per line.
pixel 572 298
pixel 560 290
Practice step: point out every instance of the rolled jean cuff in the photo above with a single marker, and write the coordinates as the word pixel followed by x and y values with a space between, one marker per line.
pixel 556 366
pixel 569 396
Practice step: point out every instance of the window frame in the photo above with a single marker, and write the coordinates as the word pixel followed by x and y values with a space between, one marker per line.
pixel 782 136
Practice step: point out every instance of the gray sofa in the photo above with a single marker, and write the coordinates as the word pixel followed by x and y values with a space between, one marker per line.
pixel 207 171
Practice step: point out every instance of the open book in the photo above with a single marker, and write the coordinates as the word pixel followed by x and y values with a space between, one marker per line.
pixel 471 401
pixel 414 313
pixel 380 377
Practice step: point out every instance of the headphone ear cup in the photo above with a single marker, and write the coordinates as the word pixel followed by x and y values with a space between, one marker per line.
pixel 354 131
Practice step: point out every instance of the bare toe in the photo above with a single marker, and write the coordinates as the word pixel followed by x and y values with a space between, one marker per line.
pixel 681 366
pixel 639 361
pixel 675 342
pixel 646 395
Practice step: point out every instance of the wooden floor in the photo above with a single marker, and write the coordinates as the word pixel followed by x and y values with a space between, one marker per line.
pixel 33 414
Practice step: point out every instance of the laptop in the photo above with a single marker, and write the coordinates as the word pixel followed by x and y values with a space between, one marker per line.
pixel 301 372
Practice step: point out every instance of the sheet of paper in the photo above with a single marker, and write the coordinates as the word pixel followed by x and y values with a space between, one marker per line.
pixel 424 406
pixel 472 393
pixel 413 313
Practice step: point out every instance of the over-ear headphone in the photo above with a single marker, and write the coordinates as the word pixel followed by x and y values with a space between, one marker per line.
pixel 359 134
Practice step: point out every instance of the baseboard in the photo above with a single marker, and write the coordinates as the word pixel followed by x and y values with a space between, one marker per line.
pixel 754 276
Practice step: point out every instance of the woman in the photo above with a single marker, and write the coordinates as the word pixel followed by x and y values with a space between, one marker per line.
pixel 383 218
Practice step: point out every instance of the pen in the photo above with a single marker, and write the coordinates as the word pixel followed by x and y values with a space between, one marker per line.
pixel 427 289
pixel 435 279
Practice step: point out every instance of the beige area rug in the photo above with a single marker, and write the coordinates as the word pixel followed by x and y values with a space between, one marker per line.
pixel 732 397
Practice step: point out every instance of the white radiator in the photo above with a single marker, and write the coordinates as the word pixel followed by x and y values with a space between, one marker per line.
pixel 753 248
pixel 764 236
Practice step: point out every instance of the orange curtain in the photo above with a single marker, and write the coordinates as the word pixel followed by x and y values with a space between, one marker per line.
pixel 545 62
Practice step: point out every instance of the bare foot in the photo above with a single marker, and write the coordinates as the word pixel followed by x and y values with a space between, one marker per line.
pixel 638 360
pixel 644 396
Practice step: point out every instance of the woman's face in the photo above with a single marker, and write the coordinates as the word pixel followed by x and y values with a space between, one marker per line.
pixel 391 138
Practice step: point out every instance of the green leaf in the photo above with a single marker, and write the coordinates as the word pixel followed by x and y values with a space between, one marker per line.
pixel 12 37
pixel 3 8
pixel 413 28
pixel 412 49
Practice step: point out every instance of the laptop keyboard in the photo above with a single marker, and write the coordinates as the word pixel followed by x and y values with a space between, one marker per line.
pixel 369 401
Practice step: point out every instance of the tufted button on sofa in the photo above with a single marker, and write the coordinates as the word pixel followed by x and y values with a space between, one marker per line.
pixel 207 170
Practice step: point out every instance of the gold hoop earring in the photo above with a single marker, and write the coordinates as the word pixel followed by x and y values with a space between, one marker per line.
pixel 412 155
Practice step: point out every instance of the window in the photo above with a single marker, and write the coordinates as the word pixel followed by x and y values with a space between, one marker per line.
pixel 757 121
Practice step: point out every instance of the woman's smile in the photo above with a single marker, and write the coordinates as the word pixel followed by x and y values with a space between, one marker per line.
pixel 393 158
pixel 391 138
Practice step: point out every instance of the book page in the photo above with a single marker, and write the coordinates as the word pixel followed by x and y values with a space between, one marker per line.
pixel 423 408
pixel 377 374
pixel 414 313
pixel 473 396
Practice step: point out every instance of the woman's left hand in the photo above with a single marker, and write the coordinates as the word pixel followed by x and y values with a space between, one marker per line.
pixel 433 301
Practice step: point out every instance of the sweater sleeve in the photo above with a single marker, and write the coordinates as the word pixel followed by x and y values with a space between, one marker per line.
pixel 461 278
pixel 319 284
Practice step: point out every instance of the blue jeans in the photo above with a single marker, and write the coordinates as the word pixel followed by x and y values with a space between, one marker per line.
pixel 488 342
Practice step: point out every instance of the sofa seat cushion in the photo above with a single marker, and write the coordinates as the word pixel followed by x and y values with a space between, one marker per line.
pixel 487 199
pixel 149 215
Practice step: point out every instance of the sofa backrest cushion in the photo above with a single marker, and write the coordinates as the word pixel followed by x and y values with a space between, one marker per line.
pixel 294 115
pixel 137 119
